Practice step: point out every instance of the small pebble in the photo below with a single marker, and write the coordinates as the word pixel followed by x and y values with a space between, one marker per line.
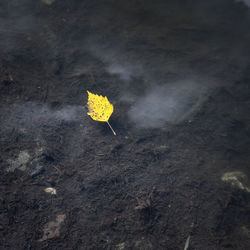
pixel 50 190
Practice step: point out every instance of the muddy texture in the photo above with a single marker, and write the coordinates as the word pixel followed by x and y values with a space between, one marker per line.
pixel 177 73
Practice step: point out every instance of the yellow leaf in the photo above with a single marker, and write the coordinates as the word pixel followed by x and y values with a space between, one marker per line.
pixel 100 109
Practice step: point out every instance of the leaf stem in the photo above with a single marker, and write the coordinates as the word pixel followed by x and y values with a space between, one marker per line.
pixel 111 128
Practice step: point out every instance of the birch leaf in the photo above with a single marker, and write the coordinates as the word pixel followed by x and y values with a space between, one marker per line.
pixel 99 108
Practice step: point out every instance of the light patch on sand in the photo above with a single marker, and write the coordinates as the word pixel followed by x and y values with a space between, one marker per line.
pixel 237 179
pixel 120 246
pixel 20 162
pixel 30 162
pixel 52 229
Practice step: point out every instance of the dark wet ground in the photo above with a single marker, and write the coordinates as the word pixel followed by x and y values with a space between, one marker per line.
pixel 177 73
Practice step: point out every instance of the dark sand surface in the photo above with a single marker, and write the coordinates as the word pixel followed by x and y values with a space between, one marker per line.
pixel 178 75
